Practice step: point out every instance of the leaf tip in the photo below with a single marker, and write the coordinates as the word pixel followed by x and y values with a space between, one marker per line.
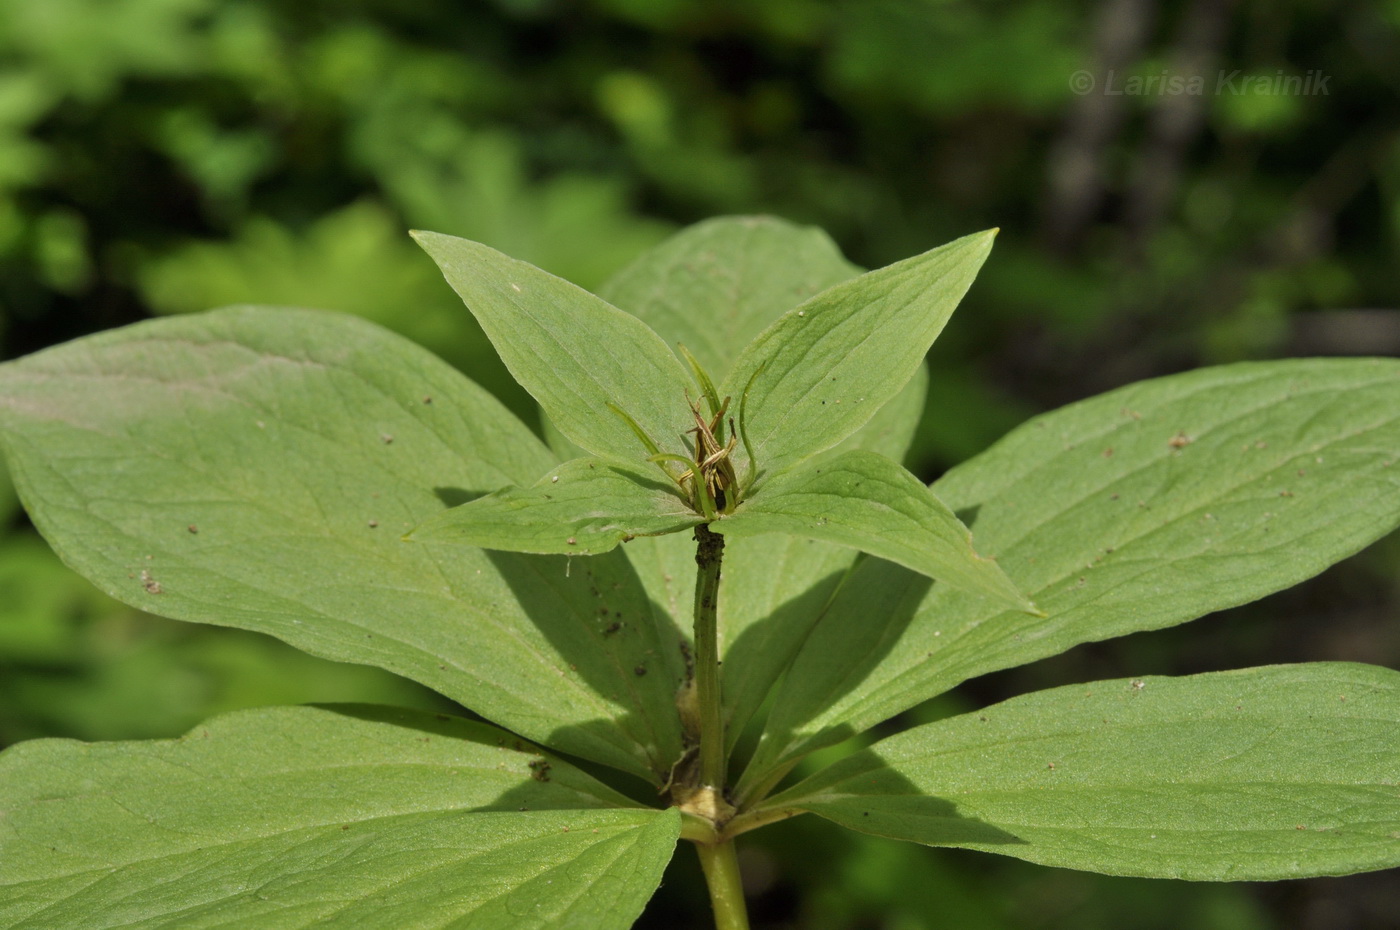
pixel 426 239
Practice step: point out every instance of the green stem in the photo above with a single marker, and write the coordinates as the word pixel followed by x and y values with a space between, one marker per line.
pixel 709 552
pixel 726 891
pixel 749 791
pixel 717 859
pixel 752 820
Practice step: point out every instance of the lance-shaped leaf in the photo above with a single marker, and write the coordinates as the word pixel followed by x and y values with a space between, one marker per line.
pixel 775 587
pixel 293 817
pixel 257 468
pixel 1259 774
pixel 1139 509
pixel 714 286
pixel 826 366
pixel 867 502
pixel 583 507
pixel 574 352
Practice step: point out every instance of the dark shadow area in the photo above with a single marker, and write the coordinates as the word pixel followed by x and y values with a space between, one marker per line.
pixel 456 497
pixel 857 630
pixel 549 780
pixel 968 515
pixel 899 811
pixel 651 484
pixel 929 821
pixel 765 649
pixel 594 612
pixel 873 798
pixel 448 725
pixel 639 791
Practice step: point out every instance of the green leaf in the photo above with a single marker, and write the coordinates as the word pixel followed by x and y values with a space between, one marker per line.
pixel 712 287
pixel 9 503
pixel 574 352
pixel 583 507
pixel 1139 509
pixel 716 285
pixel 772 593
pixel 774 587
pixel 826 366
pixel 294 817
pixel 891 431
pixel 762 574
pixel 865 501
pixel 355 259
pixel 562 446
pixel 1259 774
pixel 257 468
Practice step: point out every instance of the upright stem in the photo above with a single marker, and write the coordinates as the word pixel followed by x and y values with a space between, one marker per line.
pixel 709 552
pixel 717 859
pixel 726 892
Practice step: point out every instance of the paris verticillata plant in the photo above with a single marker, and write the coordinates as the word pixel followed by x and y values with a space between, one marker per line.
pixel 732 407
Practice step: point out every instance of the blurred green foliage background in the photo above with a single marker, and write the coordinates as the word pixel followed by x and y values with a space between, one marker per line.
pixel 167 156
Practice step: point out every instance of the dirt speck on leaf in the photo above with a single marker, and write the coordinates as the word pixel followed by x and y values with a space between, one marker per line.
pixel 150 584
